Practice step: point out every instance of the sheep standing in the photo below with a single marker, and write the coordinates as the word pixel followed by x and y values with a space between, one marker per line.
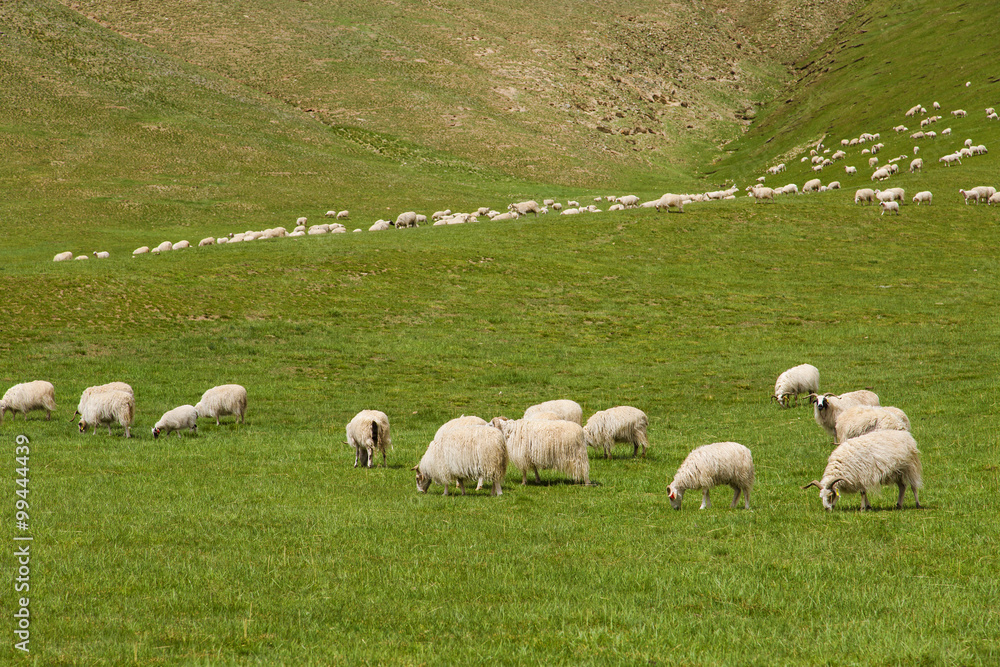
pixel 64 256
pixel 524 207
pixel 226 399
pixel 545 444
pixel 619 424
pixel 862 419
pixel 890 207
pixel 713 465
pixel 461 453
pixel 28 396
pixel 801 379
pixel 178 419
pixel 367 432
pixel 864 195
pixel 924 196
pixel 865 463
pixel 97 389
pixel 108 407
pixel 565 408
pixel 827 408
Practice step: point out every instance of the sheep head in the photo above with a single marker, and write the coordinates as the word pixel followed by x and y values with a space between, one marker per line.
pixel 676 496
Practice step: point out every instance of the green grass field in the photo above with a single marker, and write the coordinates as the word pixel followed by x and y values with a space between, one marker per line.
pixel 260 543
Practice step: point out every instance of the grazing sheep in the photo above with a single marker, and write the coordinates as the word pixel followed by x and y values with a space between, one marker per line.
pixel 367 432
pixel 406 219
pixel 801 379
pixel 524 207
pixel 28 396
pixel 985 192
pixel 995 199
pixel 81 257
pixel 708 466
pixel 565 408
pixel 318 229
pixel 206 241
pixel 865 463
pixel 461 453
pixel 557 206
pixel 970 195
pixel 141 250
pixel 924 196
pixel 948 160
pixel 178 419
pixel 812 186
pixel 628 201
pixel 959 113
pixel 623 423
pixel 881 174
pixel 546 444
pixel 992 116
pixel 669 201
pixel 343 215
pixel 63 256
pixel 834 185
pixel 891 194
pixel 872 162
pixel 165 246
pixel 181 245
pixel 102 255
pixel 890 206
pixel 226 399
pixel 97 389
pixel 380 226
pixel 827 408
pixel 760 193
pixel 862 419
pixel 916 165
pixel 851 170
pixel 108 407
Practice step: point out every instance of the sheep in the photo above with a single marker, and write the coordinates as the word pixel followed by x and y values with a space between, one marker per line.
pixel 464 452
pixel 102 255
pixel 790 189
pixel 406 219
pixel 759 193
pixel 181 245
pixel 864 195
pixel 901 128
pixel 331 214
pixel 801 379
pixel 367 432
pixel 916 149
pixel 916 165
pixel 992 116
pixel 872 161
pixel 945 131
pixel 970 195
pixel 968 143
pixel 995 199
pixel 834 185
pixel 106 408
pixel 379 226
pixel 565 408
pixel 827 408
pixel 948 160
pixel 623 423
pixel 524 207
pixel 97 389
pixel 869 461
pixel 226 399
pixel 343 215
pixel 862 419
pixel 28 396
pixel 851 170
pixel 206 241
pixel 534 444
pixel 890 206
pixel 924 196
pixel 892 194
pixel 985 192
pixel 880 174
pixel 545 202
pixel 776 169
pixel 301 221
pixel 63 256
pixel 165 246
pixel 557 206
pixel 505 217
pixel 990 110
pixel 912 111
pixel 892 168
pixel 669 201
pixel 178 419
pixel 839 155
pixel 959 113
pixel 438 215
pixel 917 135
pixel 318 229
pixel 574 204
pixel 936 106
pixel 812 186
pixel 628 201
pixel 616 207
pixel 708 466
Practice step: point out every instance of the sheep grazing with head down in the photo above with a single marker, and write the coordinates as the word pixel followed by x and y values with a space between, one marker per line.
pixel 534 444
pixel 178 419
pixel 801 379
pixel 108 407
pixel 566 409
pixel 619 424
pixel 862 419
pixel 524 207
pixel 464 452
pixel 708 466
pixel 828 407
pixel 369 432
pixel 98 389
pixel 866 463
pixel 28 396
pixel 226 399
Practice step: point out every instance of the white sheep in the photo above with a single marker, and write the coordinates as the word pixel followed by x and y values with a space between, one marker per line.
pixel 81 257
pixel 546 444
pixel 206 241
pixel 708 466
pixel 970 195
pixel 165 246
pixel 557 206
pixel 343 215
pixel 949 160
pixel 462 453
pixel 827 408
pixel 97 389
pixel 226 399
pixel 406 219
pixel 959 113
pixel 801 379
pixel 224 239
pixel 301 221
pixel 628 201
pixel 512 215
pixel 108 407
pixel 889 206
pixel 317 229
pixel 812 186
pixel 669 201
pixel 880 174
pixel 834 185
pixel 623 423
pixel 851 170
pixel 367 432
pixel 28 396
pixel 181 245
pixel 63 256
pixel 573 203
pixel 760 193
pixel 862 419
pixel 565 408
pixel 992 116
pixel 995 199
pixel 872 161
pixel 178 419
pixel 380 226
pixel 102 254
pixel 916 165
pixel 985 192
pixel 865 463
pixel 923 196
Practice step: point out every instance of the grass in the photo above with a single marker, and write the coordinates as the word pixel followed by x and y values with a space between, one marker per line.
pixel 259 543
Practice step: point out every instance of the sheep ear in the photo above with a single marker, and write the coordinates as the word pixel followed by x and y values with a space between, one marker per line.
pixel 813 483
pixel 416 467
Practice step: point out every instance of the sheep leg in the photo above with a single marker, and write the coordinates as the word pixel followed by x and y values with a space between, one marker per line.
pixel 865 505
pixel 371 457
pixel 915 499
pixel 461 485
pixel 109 428
pixel 746 498
pixel 736 497
pixel 706 502
pixel 128 433
pixel 48 415
pixel 480 484
pixel 217 421
pixel 497 491
pixel 384 464
pixel 178 434
pixel 524 477
pixel 538 478
pixel 635 449
pixel 902 490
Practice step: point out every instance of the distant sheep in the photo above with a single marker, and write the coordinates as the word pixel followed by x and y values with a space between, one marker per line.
pixel 970 195
pixel 834 185
pixel 995 199
pixel 406 219
pixel 923 197
pixel 761 193
pixel 206 241
pixel 369 432
pixel 916 165
pixel 226 399
pixel 951 159
pixel 565 408
pixel 165 246
pixel 812 186
pixel 862 419
pixel 880 174
pixel 463 453
pixel 708 466
pixel 623 423
pixel 524 207
pixel 828 407
pixel 865 463
pixel 107 408
pixel 87 393
pixel 534 444
pixel 851 170
pixel 182 245
pixel 801 379
pixel 28 396
pixel 380 226
pixel 890 207
pixel 959 113
pixel 628 201
pixel 669 201
pixel 63 256
pixel 178 419
pixel 102 255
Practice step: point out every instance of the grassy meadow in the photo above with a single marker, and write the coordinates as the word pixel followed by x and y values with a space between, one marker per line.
pixel 260 543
